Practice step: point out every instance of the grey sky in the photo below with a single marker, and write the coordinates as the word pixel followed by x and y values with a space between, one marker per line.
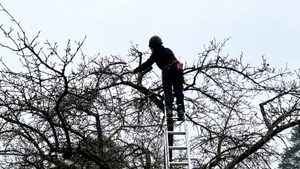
pixel 256 27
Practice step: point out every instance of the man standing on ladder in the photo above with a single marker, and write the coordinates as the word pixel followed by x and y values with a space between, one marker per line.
pixel 172 75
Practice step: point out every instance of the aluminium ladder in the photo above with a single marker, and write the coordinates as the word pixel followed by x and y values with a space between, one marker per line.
pixel 169 149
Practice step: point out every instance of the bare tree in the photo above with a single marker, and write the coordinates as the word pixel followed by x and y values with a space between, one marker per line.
pixel 62 112
pixel 242 109
pixel 55 113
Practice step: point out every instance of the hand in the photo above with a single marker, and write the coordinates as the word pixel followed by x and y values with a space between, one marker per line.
pixel 131 71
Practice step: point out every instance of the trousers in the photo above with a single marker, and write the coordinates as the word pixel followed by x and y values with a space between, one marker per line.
pixel 172 79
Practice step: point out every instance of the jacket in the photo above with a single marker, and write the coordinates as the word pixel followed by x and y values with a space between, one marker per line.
pixel 161 56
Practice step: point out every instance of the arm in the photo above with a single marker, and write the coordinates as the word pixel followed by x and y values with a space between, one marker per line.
pixel 144 66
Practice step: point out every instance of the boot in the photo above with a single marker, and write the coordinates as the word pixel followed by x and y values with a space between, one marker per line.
pixel 180 112
pixel 180 115
pixel 170 121
pixel 169 113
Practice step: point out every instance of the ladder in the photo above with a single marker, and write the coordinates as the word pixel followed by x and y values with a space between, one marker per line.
pixel 170 134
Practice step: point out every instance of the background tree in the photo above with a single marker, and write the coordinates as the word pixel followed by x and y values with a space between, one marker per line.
pixel 291 157
pixel 54 113
pixel 61 108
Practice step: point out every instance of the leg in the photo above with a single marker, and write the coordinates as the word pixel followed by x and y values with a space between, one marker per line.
pixel 167 87
pixel 178 91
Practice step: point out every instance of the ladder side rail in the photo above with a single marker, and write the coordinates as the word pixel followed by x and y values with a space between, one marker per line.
pixel 167 161
pixel 187 145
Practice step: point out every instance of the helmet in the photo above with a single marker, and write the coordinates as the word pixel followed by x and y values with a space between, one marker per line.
pixel 155 41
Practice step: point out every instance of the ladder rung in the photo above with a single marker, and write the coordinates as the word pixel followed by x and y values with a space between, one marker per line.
pixel 176 132
pixel 177 148
pixel 179 163
pixel 177 119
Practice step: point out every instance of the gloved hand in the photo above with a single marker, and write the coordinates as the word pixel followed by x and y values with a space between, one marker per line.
pixel 131 71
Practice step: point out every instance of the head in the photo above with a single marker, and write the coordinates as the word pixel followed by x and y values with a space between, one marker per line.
pixel 155 41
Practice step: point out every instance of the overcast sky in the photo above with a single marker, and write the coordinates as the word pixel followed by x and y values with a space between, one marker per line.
pixel 256 27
